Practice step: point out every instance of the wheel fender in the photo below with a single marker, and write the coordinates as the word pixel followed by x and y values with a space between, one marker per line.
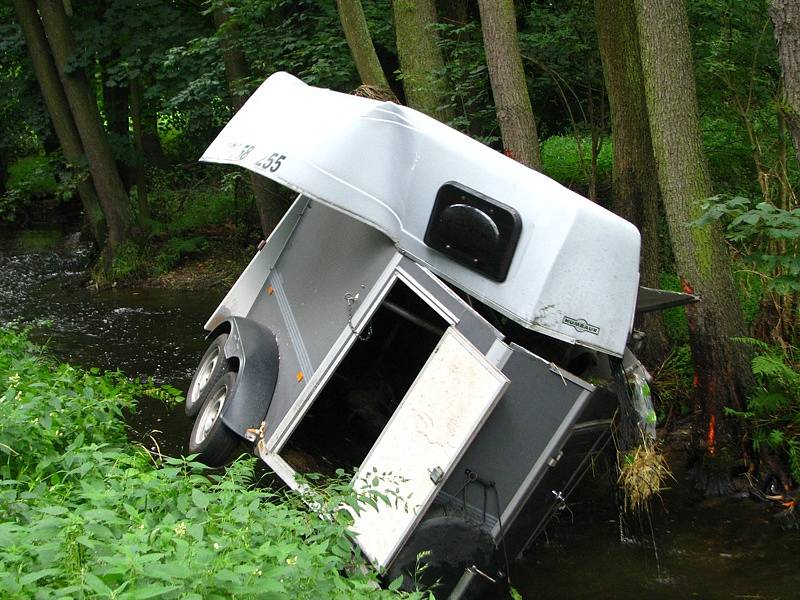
pixel 255 349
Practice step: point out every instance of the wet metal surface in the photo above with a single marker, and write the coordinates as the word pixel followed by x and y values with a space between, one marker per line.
pixel 710 550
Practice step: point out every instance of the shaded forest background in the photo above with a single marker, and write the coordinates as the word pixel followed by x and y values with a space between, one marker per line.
pixel 680 116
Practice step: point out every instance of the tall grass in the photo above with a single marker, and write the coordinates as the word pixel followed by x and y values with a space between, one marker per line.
pixel 85 514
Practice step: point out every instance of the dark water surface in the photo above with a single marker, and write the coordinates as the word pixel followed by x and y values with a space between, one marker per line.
pixel 721 549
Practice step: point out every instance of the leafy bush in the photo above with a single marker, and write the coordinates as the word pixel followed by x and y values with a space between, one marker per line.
pixel 29 178
pixel 175 250
pixel 85 515
pixel 767 236
pixel 773 411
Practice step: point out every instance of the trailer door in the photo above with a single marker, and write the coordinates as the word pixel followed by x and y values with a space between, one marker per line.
pixel 440 414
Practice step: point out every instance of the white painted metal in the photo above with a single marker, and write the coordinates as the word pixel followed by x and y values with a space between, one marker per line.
pixel 574 274
pixel 435 422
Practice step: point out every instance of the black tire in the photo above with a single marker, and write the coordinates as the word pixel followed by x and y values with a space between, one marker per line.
pixel 212 367
pixel 211 439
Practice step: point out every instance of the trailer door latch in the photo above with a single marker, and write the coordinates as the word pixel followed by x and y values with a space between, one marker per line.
pixel 436 474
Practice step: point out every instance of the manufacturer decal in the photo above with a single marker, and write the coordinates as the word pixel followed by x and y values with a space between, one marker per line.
pixel 581 325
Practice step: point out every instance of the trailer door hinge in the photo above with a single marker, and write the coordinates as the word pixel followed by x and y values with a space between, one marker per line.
pixel 436 474
pixel 554 459
pixel 253 434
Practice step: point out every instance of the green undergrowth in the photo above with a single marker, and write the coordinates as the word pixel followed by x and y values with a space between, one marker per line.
pixel 194 214
pixel 85 514
pixel 773 408
pixel 562 161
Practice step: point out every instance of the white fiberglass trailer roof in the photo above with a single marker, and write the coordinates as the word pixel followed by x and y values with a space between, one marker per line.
pixel 575 267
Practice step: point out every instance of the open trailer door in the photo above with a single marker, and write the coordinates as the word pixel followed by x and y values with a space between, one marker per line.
pixel 440 414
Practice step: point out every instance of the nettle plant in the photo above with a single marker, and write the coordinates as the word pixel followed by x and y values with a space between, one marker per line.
pixel 86 514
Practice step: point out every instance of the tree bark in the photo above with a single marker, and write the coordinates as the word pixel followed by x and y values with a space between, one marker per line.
pixel 56 102
pixel 509 86
pixel 421 60
pixel 139 171
pixel 117 113
pixel 3 173
pixel 785 16
pixel 354 24
pixel 635 193
pixel 722 373
pixel 83 105
pixel 269 201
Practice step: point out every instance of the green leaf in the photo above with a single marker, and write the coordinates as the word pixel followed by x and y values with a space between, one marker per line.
pixel 96 584
pixel 200 498
pixel 396 583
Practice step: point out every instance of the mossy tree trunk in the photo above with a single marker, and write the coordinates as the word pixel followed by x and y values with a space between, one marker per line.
pixel 354 24
pixel 421 60
pixel 509 86
pixel 785 16
pixel 83 106
pixel 635 190
pixel 269 201
pixel 722 374
pixel 60 115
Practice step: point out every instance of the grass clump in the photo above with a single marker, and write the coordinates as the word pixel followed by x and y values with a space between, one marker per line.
pixel 643 472
pixel 85 514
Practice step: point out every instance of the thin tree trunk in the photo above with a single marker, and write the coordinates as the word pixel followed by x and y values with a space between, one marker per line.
pixel 421 60
pixel 785 16
pixel 139 171
pixel 509 86
pixel 151 141
pixel 83 105
pixel 354 24
pixel 269 201
pixel 58 108
pixel 635 190
pixel 3 173
pixel 722 371
pixel 116 108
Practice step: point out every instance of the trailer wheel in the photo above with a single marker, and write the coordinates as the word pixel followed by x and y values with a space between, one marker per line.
pixel 211 439
pixel 212 366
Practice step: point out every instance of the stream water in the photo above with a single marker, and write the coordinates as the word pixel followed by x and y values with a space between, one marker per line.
pixel 690 548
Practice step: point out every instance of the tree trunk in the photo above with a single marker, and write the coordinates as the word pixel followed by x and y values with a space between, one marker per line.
pixel 3 173
pixel 83 105
pixel 269 201
pixel 354 24
pixel 785 16
pixel 58 108
pixel 634 178
pixel 509 86
pixel 722 373
pixel 116 108
pixel 421 60
pixel 139 171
